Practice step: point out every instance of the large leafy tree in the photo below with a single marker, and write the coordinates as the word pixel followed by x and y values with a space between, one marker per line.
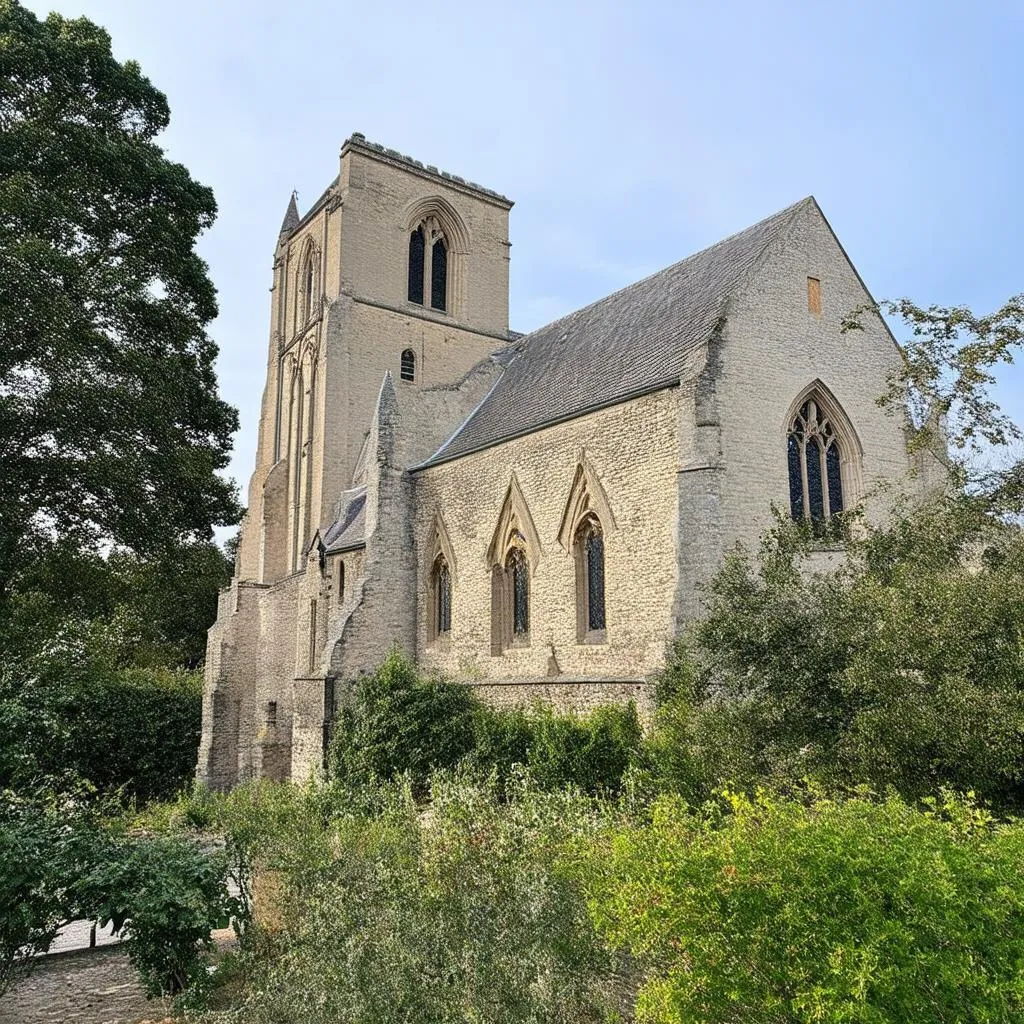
pixel 111 427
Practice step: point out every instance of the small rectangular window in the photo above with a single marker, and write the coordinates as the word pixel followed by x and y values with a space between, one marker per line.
pixel 814 296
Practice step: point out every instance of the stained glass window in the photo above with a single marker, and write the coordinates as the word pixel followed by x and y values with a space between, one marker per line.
pixel 815 466
pixel 595 578
pixel 444 598
pixel 517 569
pixel 439 275
pixel 417 248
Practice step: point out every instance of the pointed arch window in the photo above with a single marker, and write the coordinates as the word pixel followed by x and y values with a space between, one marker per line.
pixel 815 460
pixel 590 603
pixel 439 274
pixel 518 584
pixel 417 248
pixel 429 249
pixel 407 371
pixel 441 584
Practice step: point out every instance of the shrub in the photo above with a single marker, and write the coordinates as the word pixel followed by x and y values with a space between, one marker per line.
pixel 130 730
pixel 590 752
pixel 455 915
pixel 137 730
pixel 165 895
pixel 397 722
pixel 902 667
pixel 852 910
pixel 44 848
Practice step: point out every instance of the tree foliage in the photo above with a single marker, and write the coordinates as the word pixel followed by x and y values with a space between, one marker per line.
pixel 904 666
pixel 947 372
pixel 111 429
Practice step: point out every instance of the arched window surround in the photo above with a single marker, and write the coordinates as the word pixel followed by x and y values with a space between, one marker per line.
pixel 307 285
pixel 512 555
pixel 441 577
pixel 441 226
pixel 844 438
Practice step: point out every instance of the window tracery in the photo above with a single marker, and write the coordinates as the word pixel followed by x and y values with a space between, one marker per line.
pixel 815 460
pixel 429 277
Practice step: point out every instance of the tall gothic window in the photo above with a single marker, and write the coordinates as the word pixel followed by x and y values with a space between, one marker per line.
pixel 590 607
pixel 815 467
pixel 308 288
pixel 439 275
pixel 517 574
pixel 408 366
pixel 417 247
pixel 428 265
pixel 442 586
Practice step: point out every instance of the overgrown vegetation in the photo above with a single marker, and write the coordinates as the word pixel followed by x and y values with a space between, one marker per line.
pixel 399 723
pixel 902 667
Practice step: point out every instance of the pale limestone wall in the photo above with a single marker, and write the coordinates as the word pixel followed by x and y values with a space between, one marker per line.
pixel 364 343
pixel 634 449
pixel 382 197
pixel 771 349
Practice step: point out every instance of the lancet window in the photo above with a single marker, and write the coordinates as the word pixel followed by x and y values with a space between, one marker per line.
pixel 590 603
pixel 442 598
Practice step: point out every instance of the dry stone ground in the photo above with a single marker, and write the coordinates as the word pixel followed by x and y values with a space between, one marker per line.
pixel 93 986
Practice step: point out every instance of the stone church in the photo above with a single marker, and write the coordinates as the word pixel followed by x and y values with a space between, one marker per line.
pixel 533 515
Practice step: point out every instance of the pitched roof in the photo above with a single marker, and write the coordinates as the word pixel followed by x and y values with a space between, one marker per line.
pixel 349 527
pixel 633 342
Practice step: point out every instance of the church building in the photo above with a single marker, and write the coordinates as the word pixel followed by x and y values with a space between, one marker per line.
pixel 532 515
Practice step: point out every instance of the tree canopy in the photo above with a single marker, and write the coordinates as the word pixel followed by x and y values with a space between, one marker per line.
pixel 111 427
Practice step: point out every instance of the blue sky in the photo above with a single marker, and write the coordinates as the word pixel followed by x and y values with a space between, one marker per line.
pixel 629 135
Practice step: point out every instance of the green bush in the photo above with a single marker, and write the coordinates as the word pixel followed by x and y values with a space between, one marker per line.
pixel 398 723
pixel 853 910
pixel 45 846
pixel 137 730
pixel 130 730
pixel 902 667
pixel 590 752
pixel 459 914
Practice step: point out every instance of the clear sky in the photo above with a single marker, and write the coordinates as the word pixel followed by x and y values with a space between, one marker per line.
pixel 629 134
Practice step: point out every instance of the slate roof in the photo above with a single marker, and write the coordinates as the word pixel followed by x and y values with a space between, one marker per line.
pixel 631 343
pixel 291 217
pixel 349 527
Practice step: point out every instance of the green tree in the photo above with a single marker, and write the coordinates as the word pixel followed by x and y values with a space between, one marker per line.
pixel 904 666
pixel 111 428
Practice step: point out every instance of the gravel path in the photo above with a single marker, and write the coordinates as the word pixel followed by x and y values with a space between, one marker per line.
pixel 94 986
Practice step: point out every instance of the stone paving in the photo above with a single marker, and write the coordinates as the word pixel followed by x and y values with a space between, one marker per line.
pixel 93 986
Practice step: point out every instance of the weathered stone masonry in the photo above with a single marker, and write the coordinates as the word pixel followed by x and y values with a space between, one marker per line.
pixel 389 512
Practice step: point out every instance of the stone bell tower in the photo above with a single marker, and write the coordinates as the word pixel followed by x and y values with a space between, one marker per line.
pixel 397 267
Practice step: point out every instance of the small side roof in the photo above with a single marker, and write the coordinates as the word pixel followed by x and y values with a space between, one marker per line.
pixel 633 342
pixel 348 530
